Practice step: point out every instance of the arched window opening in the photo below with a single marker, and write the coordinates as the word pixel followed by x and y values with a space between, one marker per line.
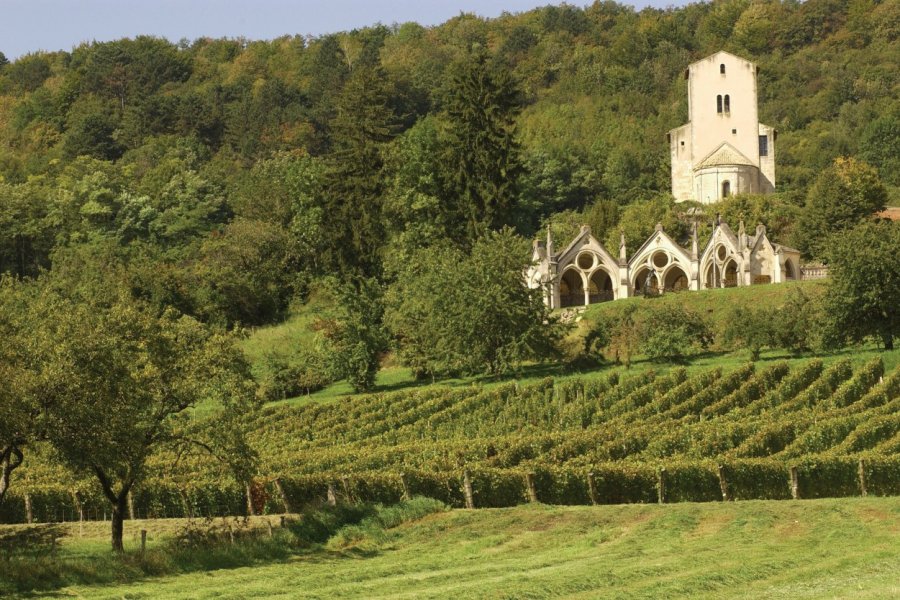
pixel 726 188
pixel 571 289
pixel 646 283
pixel 676 280
pixel 722 69
pixel 600 287
pixel 727 103
pixel 713 276
pixel 789 270
pixel 719 104
pixel 730 275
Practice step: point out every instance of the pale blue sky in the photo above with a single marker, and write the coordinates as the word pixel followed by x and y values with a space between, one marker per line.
pixel 30 25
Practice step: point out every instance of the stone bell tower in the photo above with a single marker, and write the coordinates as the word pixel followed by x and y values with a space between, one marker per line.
pixel 723 150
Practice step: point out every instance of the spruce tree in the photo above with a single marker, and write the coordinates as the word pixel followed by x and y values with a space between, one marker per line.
pixel 355 186
pixel 482 156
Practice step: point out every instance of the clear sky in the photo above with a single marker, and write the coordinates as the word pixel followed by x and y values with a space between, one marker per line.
pixel 30 25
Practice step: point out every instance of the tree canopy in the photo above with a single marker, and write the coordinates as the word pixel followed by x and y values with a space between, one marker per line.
pixel 863 294
pixel 455 312
pixel 116 379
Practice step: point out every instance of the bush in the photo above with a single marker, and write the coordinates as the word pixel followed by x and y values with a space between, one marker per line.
pixel 303 373
pixel 662 333
pixel 372 530
pixel 750 329
pixel 670 333
pixel 796 325
pixel 318 525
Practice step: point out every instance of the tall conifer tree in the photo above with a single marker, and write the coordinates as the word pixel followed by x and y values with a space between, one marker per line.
pixel 355 183
pixel 482 155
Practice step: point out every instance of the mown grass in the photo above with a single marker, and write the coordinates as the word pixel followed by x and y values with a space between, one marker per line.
pixel 82 557
pixel 847 548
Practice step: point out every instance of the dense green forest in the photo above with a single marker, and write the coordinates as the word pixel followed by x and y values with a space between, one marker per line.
pixel 227 176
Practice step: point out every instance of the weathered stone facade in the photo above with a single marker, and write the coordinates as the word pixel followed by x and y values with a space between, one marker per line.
pixel 586 273
pixel 723 150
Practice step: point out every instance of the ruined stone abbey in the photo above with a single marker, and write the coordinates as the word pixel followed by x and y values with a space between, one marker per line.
pixel 722 150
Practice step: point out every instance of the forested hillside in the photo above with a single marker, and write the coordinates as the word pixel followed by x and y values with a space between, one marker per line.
pixel 226 175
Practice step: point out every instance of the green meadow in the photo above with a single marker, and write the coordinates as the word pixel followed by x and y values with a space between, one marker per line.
pixel 847 548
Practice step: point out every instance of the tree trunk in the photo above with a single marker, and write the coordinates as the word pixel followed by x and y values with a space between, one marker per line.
pixel 888 339
pixel 119 503
pixel 120 509
pixel 10 459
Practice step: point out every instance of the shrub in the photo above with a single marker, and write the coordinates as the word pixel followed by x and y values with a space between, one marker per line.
pixel 669 333
pixel 373 528
pixel 749 328
pixel 303 373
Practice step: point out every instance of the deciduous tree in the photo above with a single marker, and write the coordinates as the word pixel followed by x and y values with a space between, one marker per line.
pixel 116 380
pixel 864 289
pixel 452 312
pixel 846 193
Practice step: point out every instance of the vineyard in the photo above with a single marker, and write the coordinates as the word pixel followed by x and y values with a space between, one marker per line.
pixel 801 429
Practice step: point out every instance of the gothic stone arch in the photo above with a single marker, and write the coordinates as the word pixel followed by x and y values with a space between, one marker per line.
pixel 661 256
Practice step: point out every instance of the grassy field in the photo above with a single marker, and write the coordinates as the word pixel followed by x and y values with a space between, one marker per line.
pixel 847 548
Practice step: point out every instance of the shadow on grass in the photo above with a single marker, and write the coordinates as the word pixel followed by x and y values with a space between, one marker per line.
pixel 320 535
pixel 29 576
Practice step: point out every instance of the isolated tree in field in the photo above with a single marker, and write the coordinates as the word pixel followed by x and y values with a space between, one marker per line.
pixel 844 194
pixel 116 382
pixel 457 313
pixel 482 154
pixel 863 296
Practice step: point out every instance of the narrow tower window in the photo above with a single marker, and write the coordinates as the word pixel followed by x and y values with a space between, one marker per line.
pixel 722 69
pixel 727 103
pixel 719 104
pixel 726 189
pixel 763 145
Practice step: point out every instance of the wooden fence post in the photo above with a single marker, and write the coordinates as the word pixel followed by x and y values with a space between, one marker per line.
pixel 143 540
pixel 661 486
pixel 592 488
pixel 283 521
pixel 795 483
pixel 467 489
pixel 269 525
pixel 29 513
pixel 529 486
pixel 862 476
pixel 406 495
pixel 284 499
pixel 332 494
pixel 723 485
